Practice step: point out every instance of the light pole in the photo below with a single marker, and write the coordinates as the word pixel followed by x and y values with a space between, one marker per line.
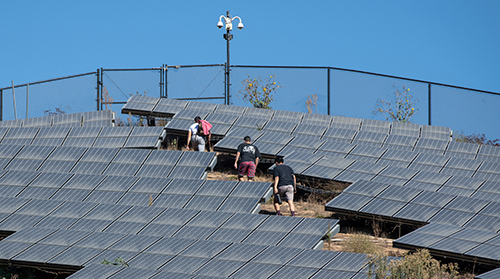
pixel 228 37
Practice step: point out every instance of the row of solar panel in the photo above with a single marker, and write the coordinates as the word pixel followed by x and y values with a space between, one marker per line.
pixel 231 196
pixel 252 117
pixel 109 137
pixel 103 118
pixel 160 257
pixel 475 246
pixel 18 214
pixel 109 161
pixel 276 143
pixel 456 176
pixel 409 205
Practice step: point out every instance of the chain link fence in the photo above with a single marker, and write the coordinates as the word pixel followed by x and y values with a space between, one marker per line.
pixel 340 92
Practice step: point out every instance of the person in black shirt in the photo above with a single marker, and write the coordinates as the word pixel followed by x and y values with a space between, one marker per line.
pixel 284 184
pixel 249 159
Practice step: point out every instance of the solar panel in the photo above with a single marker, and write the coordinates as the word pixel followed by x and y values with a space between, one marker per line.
pixel 489 150
pixel 487 176
pixel 39 253
pixel 84 132
pixel 339 133
pixel 258 112
pixel 9 151
pixel 97 115
pixel 77 256
pixel 466 204
pixel 230 109
pixel 171 201
pixel 455 191
pixel 24 165
pixel 79 142
pixel 416 212
pixel 220 118
pixel 288 150
pixel 117 183
pixel 150 185
pixel 310 129
pixel 216 188
pixel 70 195
pixel 465 182
pixel 395 172
pixel 99 155
pixel 275 137
pixel 219 268
pixel 382 207
pixel 98 123
pixel 109 142
pixel 47 142
pixel 197 159
pixel 366 136
pixel 451 217
pixel 89 168
pixel 240 205
pixel 435 144
pixel 399 193
pixel 191 113
pixel 114 132
pixel 18 178
pixel 192 172
pixel 317 119
pixel 52 132
pixel 21 133
pixel 241 132
pixel 19 221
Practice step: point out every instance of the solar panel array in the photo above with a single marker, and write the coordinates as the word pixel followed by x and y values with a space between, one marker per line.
pixel 102 118
pixel 152 256
pixel 405 172
pixel 416 206
pixel 162 220
pixel 466 244
pixel 403 136
pixel 107 161
pixel 108 137
pixel 230 196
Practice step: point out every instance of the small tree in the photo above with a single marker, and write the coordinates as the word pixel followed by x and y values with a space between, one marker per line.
pixel 475 138
pixel 58 111
pixel 259 92
pixel 106 98
pixel 417 265
pixel 401 109
pixel 312 103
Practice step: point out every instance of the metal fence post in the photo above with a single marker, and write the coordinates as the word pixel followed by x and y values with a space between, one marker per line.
pixel 429 92
pixel 14 100
pixel 1 105
pixel 166 81
pixel 162 73
pixel 98 74
pixel 100 93
pixel 328 91
pixel 27 98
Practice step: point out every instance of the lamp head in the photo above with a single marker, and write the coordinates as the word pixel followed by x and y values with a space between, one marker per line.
pixel 240 25
pixel 220 24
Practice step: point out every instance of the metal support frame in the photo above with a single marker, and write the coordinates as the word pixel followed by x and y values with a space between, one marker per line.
pixel 228 37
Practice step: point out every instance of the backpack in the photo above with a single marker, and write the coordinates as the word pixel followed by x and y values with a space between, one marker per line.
pixel 204 128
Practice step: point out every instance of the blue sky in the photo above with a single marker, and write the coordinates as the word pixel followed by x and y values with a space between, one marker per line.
pixel 450 42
